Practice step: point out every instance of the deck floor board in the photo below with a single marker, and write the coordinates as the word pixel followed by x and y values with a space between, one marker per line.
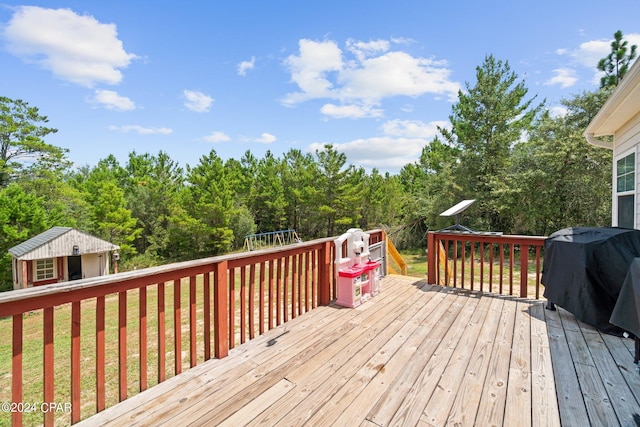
pixel 416 355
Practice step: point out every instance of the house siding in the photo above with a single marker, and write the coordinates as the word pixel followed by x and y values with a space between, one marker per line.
pixel 627 140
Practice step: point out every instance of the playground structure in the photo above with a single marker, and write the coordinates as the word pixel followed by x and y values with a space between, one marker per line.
pixel 270 239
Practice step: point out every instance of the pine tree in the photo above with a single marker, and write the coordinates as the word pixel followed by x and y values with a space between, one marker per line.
pixel 616 64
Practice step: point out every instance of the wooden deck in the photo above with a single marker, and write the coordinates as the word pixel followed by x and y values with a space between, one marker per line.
pixel 414 355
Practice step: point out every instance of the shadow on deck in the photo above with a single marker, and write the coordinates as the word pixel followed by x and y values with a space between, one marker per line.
pixel 414 355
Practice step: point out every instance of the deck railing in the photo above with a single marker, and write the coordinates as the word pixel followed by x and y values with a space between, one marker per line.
pixel 130 324
pixel 501 264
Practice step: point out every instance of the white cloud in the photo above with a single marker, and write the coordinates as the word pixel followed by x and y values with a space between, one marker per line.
pixel 216 137
pixel 350 111
pixel 75 48
pixel 386 153
pixel 197 101
pixel 142 130
pixel 265 138
pixel 565 77
pixel 309 70
pixel 413 128
pixel 371 73
pixel 245 66
pixel 112 101
pixel 398 73
pixel 558 111
pixel 363 50
pixel 589 53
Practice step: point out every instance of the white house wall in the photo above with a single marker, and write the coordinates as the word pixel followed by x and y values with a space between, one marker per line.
pixel 627 140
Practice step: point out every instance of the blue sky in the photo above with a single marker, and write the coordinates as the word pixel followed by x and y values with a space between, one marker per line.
pixel 374 78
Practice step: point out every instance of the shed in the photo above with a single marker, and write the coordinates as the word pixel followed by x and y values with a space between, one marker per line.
pixel 619 117
pixel 58 255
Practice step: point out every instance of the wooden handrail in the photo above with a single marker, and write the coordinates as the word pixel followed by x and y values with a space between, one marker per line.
pixel 240 296
pixel 470 252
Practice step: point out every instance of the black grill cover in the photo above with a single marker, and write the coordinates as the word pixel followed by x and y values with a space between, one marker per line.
pixel 626 313
pixel 584 269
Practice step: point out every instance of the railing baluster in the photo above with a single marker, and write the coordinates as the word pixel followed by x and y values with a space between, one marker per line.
pixel 232 305
pixel 512 253
pixel 285 290
pixel 301 295
pixel 243 304
pixel 16 367
pixel 252 301
pixel 177 327
pixel 279 293
pixel 462 264
pixel 193 338
pixel 48 363
pixel 501 265
pixel 524 270
pixel 261 266
pixel 100 354
pixel 490 267
pixel 294 286
pixel 455 263
pixel 473 261
pixel 207 314
pixel 481 266
pixel 122 345
pixel 446 262
pixel 537 272
pixel 75 361
pixel 142 335
pixel 162 334
pixel 307 263
pixel 314 282
pixel 325 274
pixel 271 291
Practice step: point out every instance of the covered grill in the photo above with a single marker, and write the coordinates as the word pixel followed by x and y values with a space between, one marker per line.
pixel 585 268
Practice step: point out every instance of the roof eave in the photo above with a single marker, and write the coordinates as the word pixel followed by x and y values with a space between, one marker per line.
pixel 621 106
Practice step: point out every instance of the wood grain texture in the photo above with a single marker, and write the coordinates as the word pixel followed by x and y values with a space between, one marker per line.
pixel 416 355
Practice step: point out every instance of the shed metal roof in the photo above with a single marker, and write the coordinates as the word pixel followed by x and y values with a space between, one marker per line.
pixel 59 241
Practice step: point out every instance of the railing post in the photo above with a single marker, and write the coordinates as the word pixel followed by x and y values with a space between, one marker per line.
pixel 524 270
pixel 324 274
pixel 221 310
pixel 16 367
pixel 432 258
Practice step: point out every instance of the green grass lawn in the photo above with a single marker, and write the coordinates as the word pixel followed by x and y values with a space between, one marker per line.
pixel 416 263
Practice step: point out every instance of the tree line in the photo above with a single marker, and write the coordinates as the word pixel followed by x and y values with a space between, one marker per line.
pixel 530 172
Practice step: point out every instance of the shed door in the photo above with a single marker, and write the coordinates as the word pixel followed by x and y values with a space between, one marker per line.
pixel 74 267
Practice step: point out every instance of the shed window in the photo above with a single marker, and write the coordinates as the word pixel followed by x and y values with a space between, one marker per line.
pixel 45 269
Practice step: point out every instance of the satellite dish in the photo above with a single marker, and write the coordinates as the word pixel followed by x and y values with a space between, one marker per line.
pixel 457 211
